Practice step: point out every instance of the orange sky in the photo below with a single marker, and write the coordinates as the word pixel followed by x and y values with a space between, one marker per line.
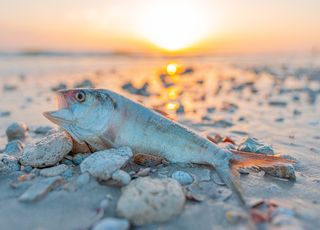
pixel 217 26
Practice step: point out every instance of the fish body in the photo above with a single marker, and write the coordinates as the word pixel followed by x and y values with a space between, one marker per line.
pixel 104 119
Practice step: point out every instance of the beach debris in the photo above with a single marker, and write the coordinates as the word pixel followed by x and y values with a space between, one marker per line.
pixel 83 179
pixel 285 171
pixel 54 171
pixel 5 113
pixel 40 189
pixel 8 163
pixel 254 145
pixel 14 147
pixel 122 177
pixel 58 87
pixel 147 160
pixel 84 84
pixel 17 131
pixel 278 103
pixel 103 164
pixel 42 130
pixel 229 107
pixel 146 200
pixel 48 151
pixel 211 109
pixel 111 223
pixel 142 91
pixel 182 177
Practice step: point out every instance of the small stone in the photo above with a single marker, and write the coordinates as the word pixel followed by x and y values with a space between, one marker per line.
pixel 182 177
pixel 146 200
pixel 147 160
pixel 54 171
pixel 27 169
pixel 143 91
pixel 42 130
pixel 278 103
pixel 279 119
pixel 111 223
pixel 255 146
pixel 103 164
pixel 285 171
pixel 84 84
pixel 143 172
pixel 7 87
pixel 67 174
pixel 5 113
pixel 83 179
pixel 14 147
pixel 235 216
pixel 38 190
pixel 48 151
pixel 78 158
pixel 121 176
pixel 16 131
pixel 9 163
pixel 80 148
pixel 104 204
pixel 222 124
pixel 58 87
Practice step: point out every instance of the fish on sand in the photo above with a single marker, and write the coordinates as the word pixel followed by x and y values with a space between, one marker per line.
pixel 104 119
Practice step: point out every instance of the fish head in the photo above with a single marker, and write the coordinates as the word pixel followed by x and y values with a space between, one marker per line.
pixel 83 113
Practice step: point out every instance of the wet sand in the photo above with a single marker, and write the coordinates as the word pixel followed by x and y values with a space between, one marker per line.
pixel 272 99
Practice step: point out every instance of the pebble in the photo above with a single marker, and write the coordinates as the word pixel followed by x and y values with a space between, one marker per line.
pixel 14 147
pixel 67 174
pixel 54 171
pixel 48 151
pixel 111 223
pixel 58 87
pixel 235 216
pixel 17 131
pixel 278 103
pixel 43 130
pixel 40 189
pixel 104 204
pixel 103 164
pixel 222 124
pixel 9 163
pixel 84 84
pixel 80 148
pixel 5 113
pixel 78 158
pixel 7 87
pixel 182 177
pixel 256 146
pixel 285 171
pixel 121 176
pixel 146 200
pixel 143 172
pixel 147 160
pixel 143 91
pixel 83 179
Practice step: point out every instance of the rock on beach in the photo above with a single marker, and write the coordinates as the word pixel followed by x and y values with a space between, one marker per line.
pixel 16 131
pixel 146 200
pixel 54 171
pixel 38 190
pixel 48 151
pixel 103 164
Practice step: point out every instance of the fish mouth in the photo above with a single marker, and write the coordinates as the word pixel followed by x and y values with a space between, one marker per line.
pixel 62 115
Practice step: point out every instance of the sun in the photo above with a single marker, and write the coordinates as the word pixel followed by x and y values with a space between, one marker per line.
pixel 172 24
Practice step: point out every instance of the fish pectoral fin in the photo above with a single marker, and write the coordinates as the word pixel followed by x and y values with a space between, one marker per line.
pixel 231 177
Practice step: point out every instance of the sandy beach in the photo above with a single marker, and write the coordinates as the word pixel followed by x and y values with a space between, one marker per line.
pixel 272 99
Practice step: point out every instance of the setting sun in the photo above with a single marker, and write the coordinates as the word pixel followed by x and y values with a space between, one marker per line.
pixel 173 25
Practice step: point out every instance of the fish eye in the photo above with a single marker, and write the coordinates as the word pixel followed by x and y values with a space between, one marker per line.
pixel 80 96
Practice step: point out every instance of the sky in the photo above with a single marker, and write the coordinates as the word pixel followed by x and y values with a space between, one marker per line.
pixel 202 26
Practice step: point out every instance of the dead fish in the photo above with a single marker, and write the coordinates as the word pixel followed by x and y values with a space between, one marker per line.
pixel 103 119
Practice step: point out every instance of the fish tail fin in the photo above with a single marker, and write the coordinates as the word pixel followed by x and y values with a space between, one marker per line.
pixel 230 175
